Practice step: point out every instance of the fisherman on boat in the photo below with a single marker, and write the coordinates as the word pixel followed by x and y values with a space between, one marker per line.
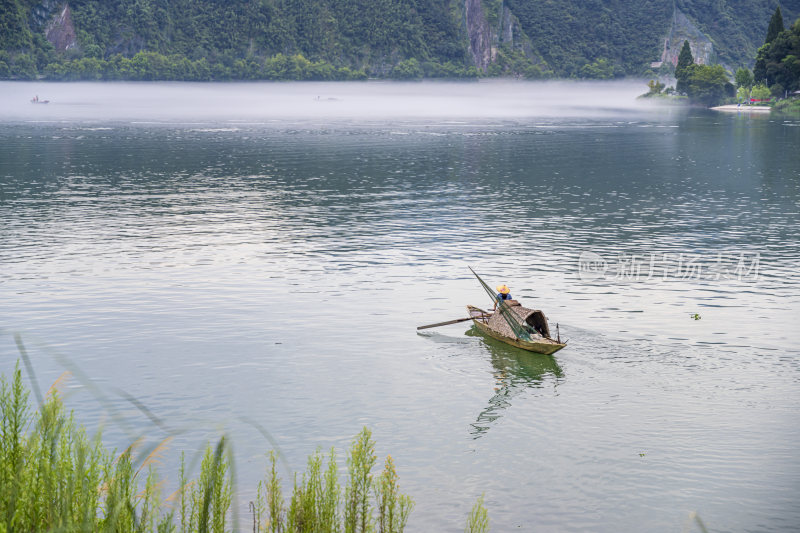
pixel 503 293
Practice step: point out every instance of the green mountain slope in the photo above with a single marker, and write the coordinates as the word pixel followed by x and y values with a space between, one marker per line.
pixel 353 32
pixel 408 38
pixel 568 34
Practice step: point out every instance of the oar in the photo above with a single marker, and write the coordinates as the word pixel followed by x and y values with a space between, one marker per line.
pixel 449 322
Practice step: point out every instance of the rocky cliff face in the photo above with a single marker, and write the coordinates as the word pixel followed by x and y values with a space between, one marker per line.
pixel 60 31
pixel 488 27
pixel 512 34
pixel 479 34
pixel 683 29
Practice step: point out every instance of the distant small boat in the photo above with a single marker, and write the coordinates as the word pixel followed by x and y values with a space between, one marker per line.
pixel 534 322
pixel 37 101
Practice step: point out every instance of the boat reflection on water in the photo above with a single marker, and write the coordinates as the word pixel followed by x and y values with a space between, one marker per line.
pixel 515 371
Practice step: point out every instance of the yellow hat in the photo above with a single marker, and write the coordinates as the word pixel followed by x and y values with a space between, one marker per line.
pixel 502 289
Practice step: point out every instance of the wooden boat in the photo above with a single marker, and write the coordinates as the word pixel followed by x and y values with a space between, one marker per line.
pixel 495 326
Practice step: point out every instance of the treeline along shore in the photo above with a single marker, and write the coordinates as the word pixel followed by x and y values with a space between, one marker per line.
pixel 355 39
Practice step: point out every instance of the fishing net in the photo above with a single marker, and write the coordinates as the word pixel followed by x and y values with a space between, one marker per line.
pixel 505 311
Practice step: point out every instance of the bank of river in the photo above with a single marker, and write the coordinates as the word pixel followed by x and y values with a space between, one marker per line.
pixel 743 108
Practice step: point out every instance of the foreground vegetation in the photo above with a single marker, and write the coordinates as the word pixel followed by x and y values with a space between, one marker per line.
pixel 55 478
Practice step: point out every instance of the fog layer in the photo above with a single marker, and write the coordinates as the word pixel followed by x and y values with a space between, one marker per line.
pixel 353 101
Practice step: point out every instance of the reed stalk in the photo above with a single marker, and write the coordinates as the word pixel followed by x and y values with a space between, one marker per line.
pixel 478 519
pixel 357 513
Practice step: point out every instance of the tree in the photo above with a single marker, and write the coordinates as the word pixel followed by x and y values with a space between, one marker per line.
pixel 744 78
pixel 775 26
pixel 14 32
pixel 777 62
pixel 707 85
pixel 760 92
pixel 407 70
pixel 777 90
pixel 655 87
pixel 24 67
pixel 685 60
pixel 743 94
pixel 600 69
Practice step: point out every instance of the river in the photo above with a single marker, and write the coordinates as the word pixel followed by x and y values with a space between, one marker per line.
pixel 245 256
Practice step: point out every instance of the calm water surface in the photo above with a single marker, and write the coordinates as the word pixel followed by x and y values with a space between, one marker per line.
pixel 260 254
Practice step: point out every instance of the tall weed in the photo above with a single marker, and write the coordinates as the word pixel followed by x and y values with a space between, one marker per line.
pixel 55 478
pixel 478 519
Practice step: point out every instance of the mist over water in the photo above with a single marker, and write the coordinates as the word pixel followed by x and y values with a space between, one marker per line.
pixel 247 251
pixel 353 102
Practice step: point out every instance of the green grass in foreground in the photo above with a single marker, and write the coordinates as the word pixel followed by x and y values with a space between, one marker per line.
pixel 53 477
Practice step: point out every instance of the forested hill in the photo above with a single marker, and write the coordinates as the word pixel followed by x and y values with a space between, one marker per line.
pixel 334 39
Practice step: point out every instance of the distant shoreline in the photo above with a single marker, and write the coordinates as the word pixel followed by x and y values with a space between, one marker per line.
pixel 735 107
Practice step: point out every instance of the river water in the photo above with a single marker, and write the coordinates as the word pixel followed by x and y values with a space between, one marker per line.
pixel 248 257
